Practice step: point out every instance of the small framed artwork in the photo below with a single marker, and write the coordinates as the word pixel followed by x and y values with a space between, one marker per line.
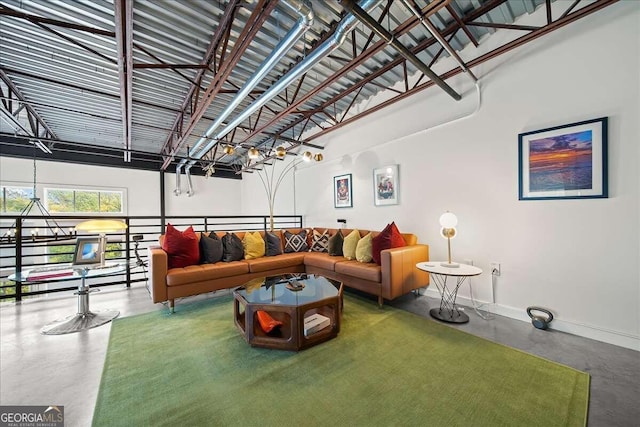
pixel 564 162
pixel 385 185
pixel 87 251
pixel 342 191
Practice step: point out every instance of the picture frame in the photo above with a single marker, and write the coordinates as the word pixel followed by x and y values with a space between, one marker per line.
pixel 386 188
pixel 564 162
pixel 342 191
pixel 87 251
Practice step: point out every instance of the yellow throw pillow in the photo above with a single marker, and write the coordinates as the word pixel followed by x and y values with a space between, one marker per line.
pixel 253 245
pixel 364 249
pixel 349 245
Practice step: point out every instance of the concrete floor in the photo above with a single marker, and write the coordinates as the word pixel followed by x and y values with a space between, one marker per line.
pixel 65 370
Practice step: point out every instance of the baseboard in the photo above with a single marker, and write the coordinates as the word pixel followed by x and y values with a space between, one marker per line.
pixel 581 329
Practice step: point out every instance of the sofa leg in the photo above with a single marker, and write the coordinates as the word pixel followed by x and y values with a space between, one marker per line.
pixel 380 301
pixel 172 308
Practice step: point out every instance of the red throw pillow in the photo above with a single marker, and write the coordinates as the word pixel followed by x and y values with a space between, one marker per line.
pixel 181 246
pixel 389 238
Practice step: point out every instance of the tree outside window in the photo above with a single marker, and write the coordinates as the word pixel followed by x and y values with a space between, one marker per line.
pixel 15 199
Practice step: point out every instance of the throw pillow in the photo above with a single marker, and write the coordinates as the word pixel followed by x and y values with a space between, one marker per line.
pixel 295 242
pixel 363 249
pixel 389 238
pixel 232 248
pixel 350 243
pixel 320 241
pixel 335 244
pixel 181 247
pixel 253 245
pixel 210 248
pixel 273 244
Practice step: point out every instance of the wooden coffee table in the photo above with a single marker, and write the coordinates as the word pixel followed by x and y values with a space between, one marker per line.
pixel 275 296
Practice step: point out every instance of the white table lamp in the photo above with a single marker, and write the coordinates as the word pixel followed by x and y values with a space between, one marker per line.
pixel 448 222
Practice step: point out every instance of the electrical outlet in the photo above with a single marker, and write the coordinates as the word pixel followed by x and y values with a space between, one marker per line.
pixel 495 268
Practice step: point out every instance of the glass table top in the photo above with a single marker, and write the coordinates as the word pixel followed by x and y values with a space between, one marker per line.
pixel 281 290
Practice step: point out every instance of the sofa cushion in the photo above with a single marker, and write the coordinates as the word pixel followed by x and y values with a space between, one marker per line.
pixel 335 244
pixel 349 245
pixel 273 244
pixel 322 260
pixel 253 245
pixel 232 246
pixel 363 249
pixel 320 241
pixel 204 272
pixel 210 248
pixel 295 242
pixel 281 262
pixel 366 271
pixel 181 247
pixel 388 238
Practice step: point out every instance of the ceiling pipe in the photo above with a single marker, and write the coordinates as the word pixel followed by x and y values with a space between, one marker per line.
pixel 346 25
pixel 411 5
pixel 187 173
pixel 367 20
pixel 177 191
pixel 302 25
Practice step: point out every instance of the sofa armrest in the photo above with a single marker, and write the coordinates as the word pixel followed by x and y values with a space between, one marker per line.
pixel 399 272
pixel 158 268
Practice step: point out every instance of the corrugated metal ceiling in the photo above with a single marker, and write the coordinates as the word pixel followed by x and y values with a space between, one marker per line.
pixel 62 57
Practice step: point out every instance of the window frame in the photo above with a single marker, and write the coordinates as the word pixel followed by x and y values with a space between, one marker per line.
pixel 79 188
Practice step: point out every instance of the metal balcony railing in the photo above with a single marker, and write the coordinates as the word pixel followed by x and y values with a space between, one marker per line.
pixel 30 242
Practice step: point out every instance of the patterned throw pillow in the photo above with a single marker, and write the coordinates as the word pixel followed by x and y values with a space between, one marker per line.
pixel 320 241
pixel 274 246
pixel 350 243
pixel 335 244
pixel 210 248
pixel 363 249
pixel 253 245
pixel 181 247
pixel 233 250
pixel 295 242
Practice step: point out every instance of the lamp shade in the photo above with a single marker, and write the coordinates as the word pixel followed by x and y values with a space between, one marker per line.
pixel 448 220
pixel 307 156
pixel 228 149
pixel 318 157
pixel 101 226
pixel 281 151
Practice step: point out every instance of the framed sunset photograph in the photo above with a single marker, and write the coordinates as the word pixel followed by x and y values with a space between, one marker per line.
pixel 564 162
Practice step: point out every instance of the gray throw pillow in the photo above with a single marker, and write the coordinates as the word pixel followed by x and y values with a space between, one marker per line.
pixel 210 248
pixel 335 244
pixel 274 246
pixel 232 248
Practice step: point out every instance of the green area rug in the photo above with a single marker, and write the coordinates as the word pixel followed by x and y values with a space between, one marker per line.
pixel 387 367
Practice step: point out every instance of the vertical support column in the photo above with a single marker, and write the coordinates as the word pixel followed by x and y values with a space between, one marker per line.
pixel 18 250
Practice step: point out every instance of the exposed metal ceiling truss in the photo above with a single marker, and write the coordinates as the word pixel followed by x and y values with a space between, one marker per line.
pixel 143 83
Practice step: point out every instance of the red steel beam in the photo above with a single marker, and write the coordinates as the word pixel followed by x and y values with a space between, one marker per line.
pixel 587 10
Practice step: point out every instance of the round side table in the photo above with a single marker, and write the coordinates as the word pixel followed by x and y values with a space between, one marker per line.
pixel 448 311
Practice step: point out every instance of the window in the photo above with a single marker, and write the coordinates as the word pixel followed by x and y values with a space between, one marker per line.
pixel 68 200
pixel 15 199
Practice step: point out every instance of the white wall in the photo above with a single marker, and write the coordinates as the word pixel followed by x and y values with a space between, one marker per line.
pixel 254 194
pixel 577 257
pixel 212 196
pixel 142 187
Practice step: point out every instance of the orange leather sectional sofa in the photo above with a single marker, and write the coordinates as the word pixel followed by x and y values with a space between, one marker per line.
pixel 397 275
